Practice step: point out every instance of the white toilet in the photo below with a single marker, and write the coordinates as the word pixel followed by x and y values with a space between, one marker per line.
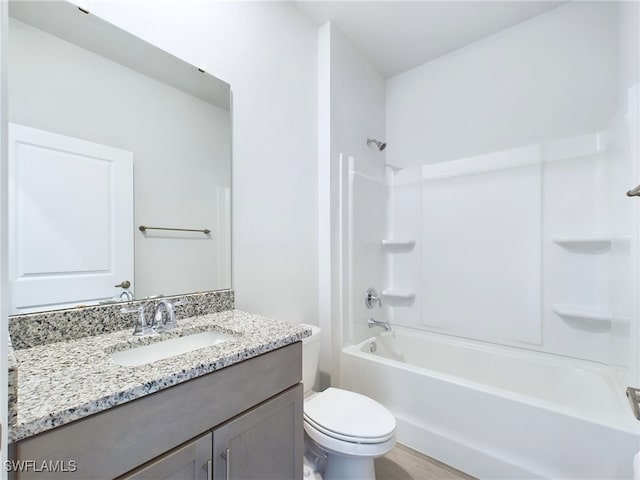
pixel 346 428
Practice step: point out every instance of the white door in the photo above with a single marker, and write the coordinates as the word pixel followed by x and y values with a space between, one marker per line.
pixel 70 220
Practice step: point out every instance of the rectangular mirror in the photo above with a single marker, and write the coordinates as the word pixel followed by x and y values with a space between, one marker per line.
pixel 107 134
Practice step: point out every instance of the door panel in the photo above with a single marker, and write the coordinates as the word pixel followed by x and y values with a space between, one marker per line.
pixel 71 219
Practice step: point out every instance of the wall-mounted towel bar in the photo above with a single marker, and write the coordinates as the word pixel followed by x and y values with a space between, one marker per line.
pixel 144 228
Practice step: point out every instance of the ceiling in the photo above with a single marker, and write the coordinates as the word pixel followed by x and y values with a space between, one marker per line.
pixel 397 35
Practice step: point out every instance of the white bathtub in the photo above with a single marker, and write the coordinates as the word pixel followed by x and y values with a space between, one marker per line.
pixel 498 412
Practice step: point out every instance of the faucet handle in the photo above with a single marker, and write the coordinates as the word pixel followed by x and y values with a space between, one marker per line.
pixel 372 298
pixel 165 311
pixel 172 321
pixel 140 327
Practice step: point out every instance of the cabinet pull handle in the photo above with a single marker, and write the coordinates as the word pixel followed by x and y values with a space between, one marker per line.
pixel 227 460
pixel 208 467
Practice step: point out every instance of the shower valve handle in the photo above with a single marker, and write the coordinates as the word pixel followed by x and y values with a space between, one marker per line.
pixel 372 298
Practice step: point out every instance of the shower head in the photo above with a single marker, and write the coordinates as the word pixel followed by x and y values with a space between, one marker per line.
pixel 381 145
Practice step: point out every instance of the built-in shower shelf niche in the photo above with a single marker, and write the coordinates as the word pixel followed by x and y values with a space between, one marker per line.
pixel 399 294
pixel 400 245
pixel 578 146
pixel 594 245
pixel 584 318
pixel 395 297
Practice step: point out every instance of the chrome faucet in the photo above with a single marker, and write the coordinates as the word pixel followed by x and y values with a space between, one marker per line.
pixel 164 317
pixel 140 327
pixel 372 298
pixel 376 323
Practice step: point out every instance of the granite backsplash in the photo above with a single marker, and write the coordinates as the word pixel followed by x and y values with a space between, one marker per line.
pixel 34 329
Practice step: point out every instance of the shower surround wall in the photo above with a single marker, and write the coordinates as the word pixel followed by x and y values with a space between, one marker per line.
pixel 510 250
pixel 515 153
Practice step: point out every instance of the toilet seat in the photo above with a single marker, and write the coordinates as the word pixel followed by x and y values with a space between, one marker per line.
pixel 341 447
pixel 347 438
pixel 349 417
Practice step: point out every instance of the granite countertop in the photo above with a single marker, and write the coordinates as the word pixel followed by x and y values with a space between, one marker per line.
pixel 58 383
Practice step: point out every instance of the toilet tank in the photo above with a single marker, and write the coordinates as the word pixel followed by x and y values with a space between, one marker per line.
pixel 310 356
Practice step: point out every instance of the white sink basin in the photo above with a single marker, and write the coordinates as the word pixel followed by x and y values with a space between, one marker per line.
pixel 168 348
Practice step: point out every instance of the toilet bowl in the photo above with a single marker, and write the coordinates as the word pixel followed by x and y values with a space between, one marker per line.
pixel 348 429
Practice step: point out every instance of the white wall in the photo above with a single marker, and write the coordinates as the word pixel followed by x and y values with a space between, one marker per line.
pixel 267 52
pixel 358 113
pixel 329 226
pixel 551 77
pixel 352 110
pixel 357 101
pixel 181 148
pixel 628 44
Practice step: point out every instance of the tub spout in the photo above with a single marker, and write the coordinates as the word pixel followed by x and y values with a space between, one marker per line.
pixel 376 323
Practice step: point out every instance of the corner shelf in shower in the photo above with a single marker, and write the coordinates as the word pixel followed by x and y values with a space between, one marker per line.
pixel 584 318
pixel 594 244
pixel 399 245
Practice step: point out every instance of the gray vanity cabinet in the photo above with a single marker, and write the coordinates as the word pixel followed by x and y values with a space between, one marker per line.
pixel 263 443
pixel 252 409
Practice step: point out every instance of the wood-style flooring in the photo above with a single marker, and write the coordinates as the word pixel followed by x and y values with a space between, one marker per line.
pixel 403 463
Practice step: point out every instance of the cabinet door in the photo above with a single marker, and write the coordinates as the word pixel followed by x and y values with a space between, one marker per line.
pixel 192 461
pixel 264 443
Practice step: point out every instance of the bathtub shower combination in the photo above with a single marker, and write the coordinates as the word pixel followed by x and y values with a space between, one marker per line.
pixel 509 278
pixel 501 367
